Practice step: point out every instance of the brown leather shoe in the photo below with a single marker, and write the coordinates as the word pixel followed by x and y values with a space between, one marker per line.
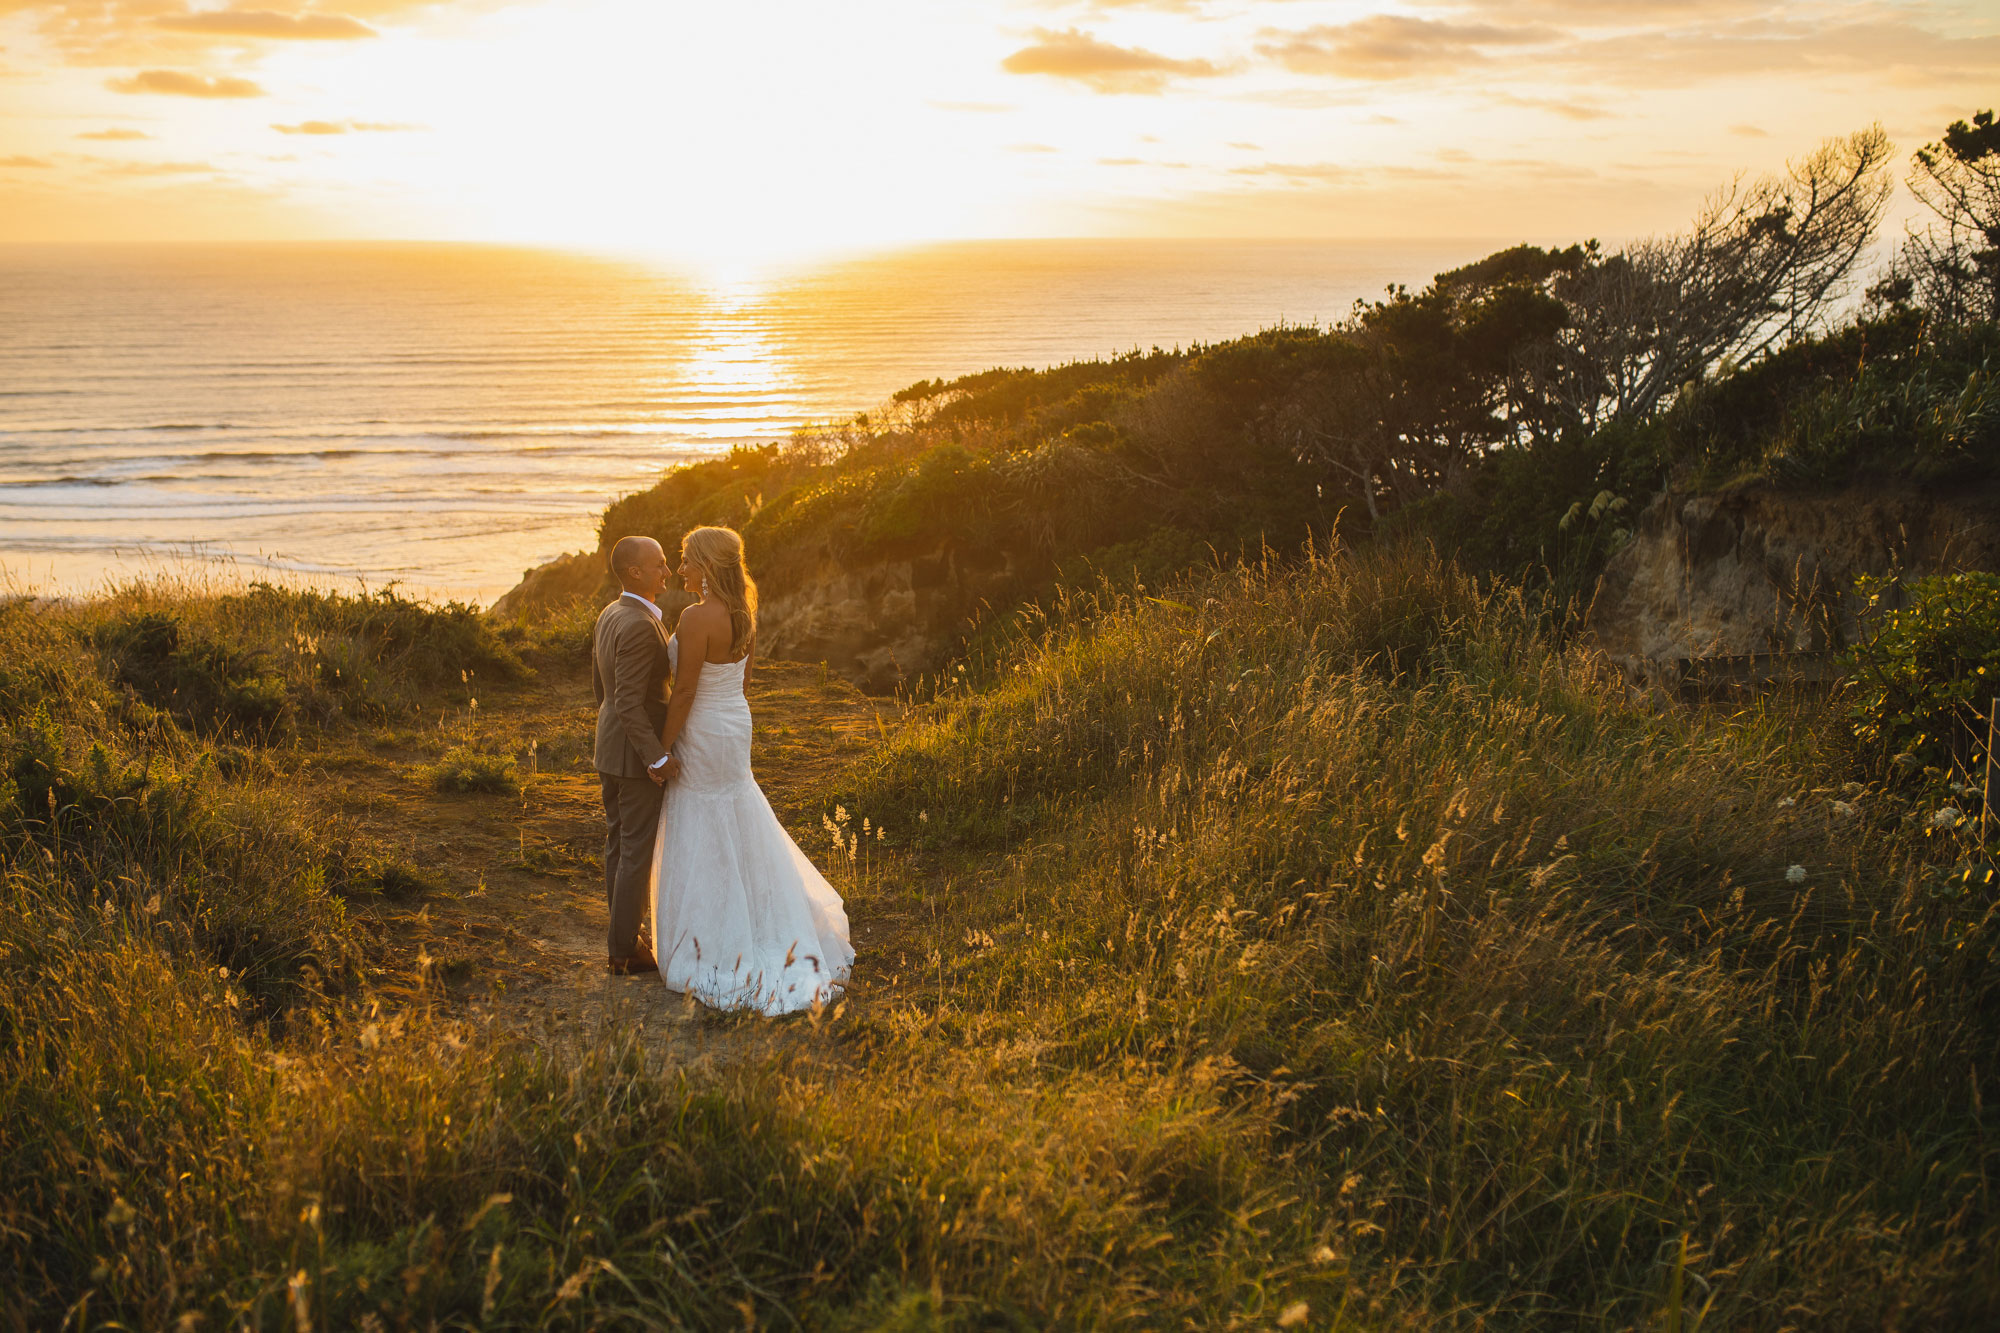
pixel 639 964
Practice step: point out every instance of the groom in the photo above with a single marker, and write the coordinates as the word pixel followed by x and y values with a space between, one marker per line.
pixel 628 673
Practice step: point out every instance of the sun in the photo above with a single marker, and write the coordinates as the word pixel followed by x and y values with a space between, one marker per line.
pixel 691 136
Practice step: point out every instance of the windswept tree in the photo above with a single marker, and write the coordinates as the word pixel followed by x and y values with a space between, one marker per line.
pixel 1412 390
pixel 1528 344
pixel 1763 265
pixel 1953 267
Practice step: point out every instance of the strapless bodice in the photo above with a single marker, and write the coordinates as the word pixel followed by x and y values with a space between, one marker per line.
pixel 718 679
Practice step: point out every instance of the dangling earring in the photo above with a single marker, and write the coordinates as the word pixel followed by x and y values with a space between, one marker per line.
pixel 704 585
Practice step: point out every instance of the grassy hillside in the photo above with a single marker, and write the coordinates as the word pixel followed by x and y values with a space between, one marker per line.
pixel 1409 418
pixel 1309 944
pixel 1553 1010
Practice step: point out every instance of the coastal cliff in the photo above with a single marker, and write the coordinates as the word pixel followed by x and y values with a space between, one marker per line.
pixel 560 583
pixel 1760 497
pixel 881 622
pixel 1760 570
pixel 1745 572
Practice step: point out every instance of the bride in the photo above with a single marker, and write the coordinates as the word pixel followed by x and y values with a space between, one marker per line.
pixel 741 919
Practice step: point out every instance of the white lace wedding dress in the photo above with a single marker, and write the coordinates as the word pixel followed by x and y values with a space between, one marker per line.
pixel 741 919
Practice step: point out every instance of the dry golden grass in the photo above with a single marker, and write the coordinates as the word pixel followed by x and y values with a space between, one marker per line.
pixel 1311 946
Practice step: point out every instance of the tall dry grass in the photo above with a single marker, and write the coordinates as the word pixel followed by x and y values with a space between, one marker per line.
pixel 1310 945
pixel 1578 1011
pixel 213 1112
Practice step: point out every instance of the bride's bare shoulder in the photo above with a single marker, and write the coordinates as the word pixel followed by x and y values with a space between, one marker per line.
pixel 703 617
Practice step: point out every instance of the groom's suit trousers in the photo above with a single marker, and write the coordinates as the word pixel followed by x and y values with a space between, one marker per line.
pixel 631 817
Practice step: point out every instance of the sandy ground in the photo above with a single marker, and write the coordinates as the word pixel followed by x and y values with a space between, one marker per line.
pixel 513 933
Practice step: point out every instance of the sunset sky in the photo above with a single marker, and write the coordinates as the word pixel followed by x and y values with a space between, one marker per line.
pixel 766 128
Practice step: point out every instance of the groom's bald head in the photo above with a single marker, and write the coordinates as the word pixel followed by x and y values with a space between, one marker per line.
pixel 640 564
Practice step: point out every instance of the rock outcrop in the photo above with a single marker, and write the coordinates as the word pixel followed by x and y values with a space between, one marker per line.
pixel 1760 571
pixel 881 622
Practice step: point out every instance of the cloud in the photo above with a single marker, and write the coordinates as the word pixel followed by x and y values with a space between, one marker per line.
pixel 177 83
pixel 159 32
pixel 977 108
pixel 1032 148
pixel 267 23
pixel 343 127
pixel 1568 110
pixel 115 136
pixel 1300 173
pixel 119 167
pixel 1603 13
pixel 1636 44
pixel 1899 52
pixel 1246 147
pixel 1170 6
pixel 23 160
pixel 1121 161
pixel 1386 47
pixel 1105 68
pixel 1749 132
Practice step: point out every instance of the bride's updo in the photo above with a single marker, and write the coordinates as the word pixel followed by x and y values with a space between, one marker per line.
pixel 718 554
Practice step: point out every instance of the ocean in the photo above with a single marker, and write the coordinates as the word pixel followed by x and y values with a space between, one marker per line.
pixel 442 417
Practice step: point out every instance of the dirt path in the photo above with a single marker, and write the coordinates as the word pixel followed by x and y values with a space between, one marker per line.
pixel 505 909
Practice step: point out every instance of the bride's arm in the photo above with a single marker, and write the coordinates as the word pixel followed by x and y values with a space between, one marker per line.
pixel 693 649
pixel 749 663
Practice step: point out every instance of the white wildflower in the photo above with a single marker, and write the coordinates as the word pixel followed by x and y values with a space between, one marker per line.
pixel 1846 809
pixel 1948 818
pixel 923 816
pixel 1795 875
pixel 1787 802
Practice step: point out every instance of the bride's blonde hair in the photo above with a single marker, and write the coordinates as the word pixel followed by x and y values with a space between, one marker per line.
pixel 718 554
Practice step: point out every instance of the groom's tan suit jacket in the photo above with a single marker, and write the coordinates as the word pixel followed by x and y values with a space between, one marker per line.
pixel 628 674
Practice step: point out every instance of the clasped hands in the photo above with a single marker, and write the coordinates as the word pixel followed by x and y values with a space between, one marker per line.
pixel 665 772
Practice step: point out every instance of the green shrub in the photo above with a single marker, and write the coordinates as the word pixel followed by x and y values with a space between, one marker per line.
pixel 399 878
pixel 1924 674
pixel 239 871
pixel 466 768
pixel 1928 423
pixel 1893 398
pixel 200 675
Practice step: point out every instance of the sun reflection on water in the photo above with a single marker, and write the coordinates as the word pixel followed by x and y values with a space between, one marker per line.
pixel 736 365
